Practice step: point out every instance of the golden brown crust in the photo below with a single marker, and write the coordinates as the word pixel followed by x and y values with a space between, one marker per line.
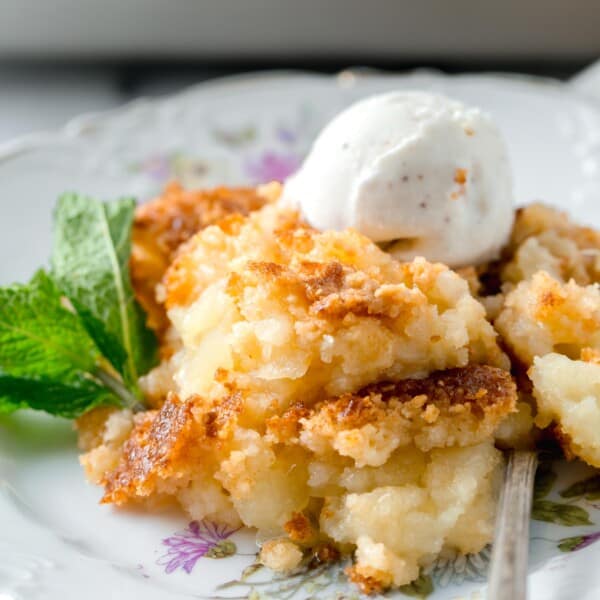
pixel 162 225
pixel 325 553
pixel 457 407
pixel 322 279
pixel 536 219
pixel 222 414
pixel 479 390
pixel 160 444
pixel 367 584
pixel 330 289
pixel 300 529
pixel 590 355
pixel 90 426
pixel 286 427
pixel 180 279
pixel 152 452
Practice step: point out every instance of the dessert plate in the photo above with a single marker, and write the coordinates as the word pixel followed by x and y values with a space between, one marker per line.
pixel 56 542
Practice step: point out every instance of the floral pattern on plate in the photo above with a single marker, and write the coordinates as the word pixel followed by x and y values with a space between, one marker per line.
pixel 204 538
pixel 448 573
pixel 252 155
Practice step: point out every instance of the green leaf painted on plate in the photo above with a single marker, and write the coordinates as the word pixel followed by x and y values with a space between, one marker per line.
pixel 90 261
pixel 559 514
pixel 223 549
pixel 571 544
pixel 545 478
pixel 250 570
pixel 590 488
pixel 419 588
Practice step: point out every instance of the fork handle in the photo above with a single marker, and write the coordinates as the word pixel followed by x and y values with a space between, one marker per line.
pixel 508 569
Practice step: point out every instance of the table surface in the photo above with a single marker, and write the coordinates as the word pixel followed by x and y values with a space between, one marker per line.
pixel 38 97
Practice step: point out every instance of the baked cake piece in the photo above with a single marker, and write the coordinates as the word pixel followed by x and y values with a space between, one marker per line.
pixel 567 392
pixel 398 471
pixel 543 315
pixel 313 374
pixel 548 315
pixel 163 224
pixel 545 239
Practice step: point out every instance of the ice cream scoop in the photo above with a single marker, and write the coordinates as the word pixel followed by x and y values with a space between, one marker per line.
pixel 421 174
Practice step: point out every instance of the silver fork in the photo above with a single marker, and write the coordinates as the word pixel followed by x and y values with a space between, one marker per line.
pixel 508 567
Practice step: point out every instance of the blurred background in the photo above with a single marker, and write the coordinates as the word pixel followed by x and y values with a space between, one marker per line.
pixel 60 58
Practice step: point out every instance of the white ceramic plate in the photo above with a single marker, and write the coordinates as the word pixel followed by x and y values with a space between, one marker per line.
pixel 56 542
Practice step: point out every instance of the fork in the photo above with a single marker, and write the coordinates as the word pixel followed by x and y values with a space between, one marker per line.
pixel 508 568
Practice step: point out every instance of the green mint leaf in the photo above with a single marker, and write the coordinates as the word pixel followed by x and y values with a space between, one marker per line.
pixel 108 344
pixel 90 261
pixel 39 334
pixel 47 359
pixel 8 404
pixel 64 400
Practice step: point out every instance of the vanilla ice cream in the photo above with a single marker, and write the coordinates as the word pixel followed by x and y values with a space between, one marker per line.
pixel 422 174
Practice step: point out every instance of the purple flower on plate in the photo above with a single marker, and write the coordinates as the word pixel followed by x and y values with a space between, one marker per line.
pixel 578 542
pixel 156 167
pixel 272 166
pixel 286 135
pixel 200 538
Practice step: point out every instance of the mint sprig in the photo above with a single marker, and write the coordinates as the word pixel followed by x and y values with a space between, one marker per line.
pixel 90 262
pixel 75 338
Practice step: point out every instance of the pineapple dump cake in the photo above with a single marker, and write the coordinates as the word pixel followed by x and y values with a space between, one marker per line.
pixel 340 400
pixel 309 376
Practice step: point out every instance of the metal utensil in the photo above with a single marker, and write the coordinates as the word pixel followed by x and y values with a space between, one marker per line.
pixel 508 568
